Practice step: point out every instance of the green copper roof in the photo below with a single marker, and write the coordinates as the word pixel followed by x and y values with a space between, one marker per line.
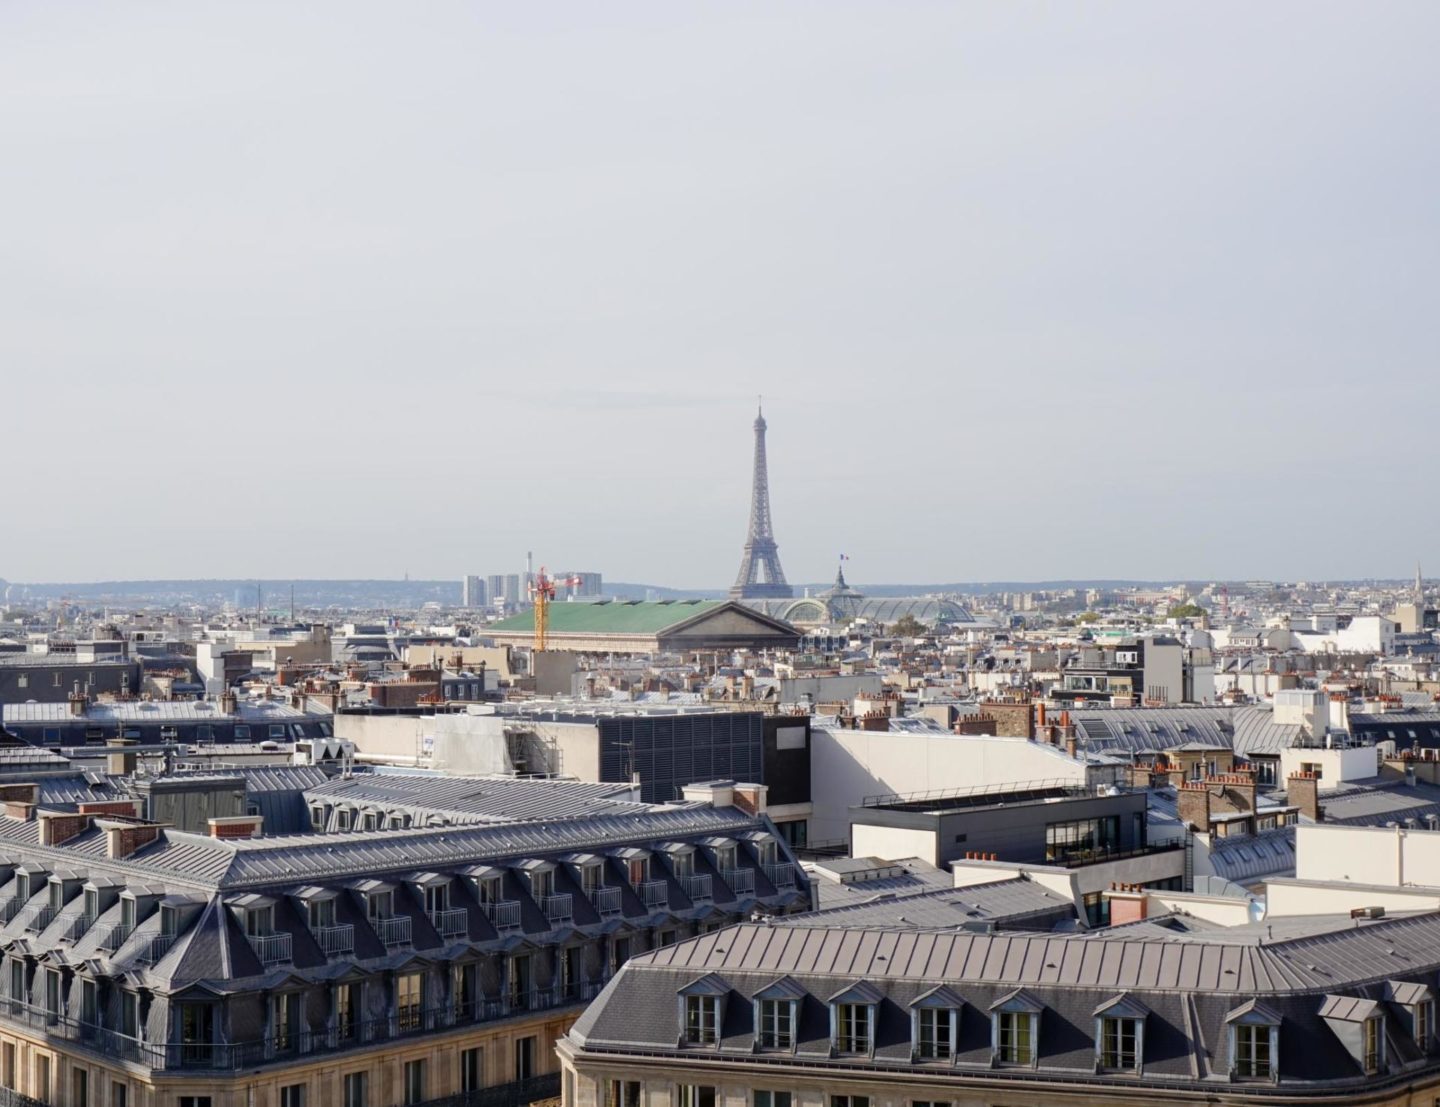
pixel 608 618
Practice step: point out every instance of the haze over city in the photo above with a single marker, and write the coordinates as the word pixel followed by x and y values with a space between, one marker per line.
pixel 346 290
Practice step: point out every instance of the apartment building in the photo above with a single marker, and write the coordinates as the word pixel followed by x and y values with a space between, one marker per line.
pixel 1321 1008
pixel 396 943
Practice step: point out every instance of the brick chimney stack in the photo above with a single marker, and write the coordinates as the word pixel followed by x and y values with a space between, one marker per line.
pixel 1302 790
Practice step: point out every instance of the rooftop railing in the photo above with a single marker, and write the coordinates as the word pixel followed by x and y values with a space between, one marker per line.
pixel 156 948
pixel 698 888
pixel 740 881
pixel 504 915
pixel 558 909
pixel 654 894
pixel 606 901
pixel 392 930
pixel 452 922
pixel 272 949
pixel 782 876
pixel 112 935
pixel 334 940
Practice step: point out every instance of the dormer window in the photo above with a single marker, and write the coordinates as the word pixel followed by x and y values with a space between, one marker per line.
pixel 260 921
pixel 702 1019
pixel 487 890
pixel 1254 1033
pixel 127 913
pixel 437 898
pixel 683 863
pixel 935 1022
pixel 638 870
pixel 342 819
pixel 169 920
pixel 1374 1044
pixel 1015 1028
pixel 777 1014
pixel 1424 1015
pixel 380 905
pixel 22 886
pixel 57 894
pixel 322 913
pixel 701 1003
pixel 1120 1035
pixel 317 817
pixel 724 858
pixel 852 1019
pixel 542 883
pixel 92 904
pixel 592 877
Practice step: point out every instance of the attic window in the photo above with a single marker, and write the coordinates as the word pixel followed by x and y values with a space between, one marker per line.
pixel 702 1019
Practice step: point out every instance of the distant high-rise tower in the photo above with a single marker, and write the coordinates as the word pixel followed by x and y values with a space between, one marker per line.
pixel 762 556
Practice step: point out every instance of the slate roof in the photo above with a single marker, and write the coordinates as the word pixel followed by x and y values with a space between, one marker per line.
pixel 1132 730
pixel 479 799
pixel 1188 989
pixel 1011 904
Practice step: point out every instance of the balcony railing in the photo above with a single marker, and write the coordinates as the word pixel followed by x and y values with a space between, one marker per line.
pixel 334 940
pixel 653 894
pixel 73 925
pixel 235 1056
pixel 40 917
pixel 453 922
pixel 392 930
pixel 157 947
pixel 782 876
pixel 698 888
pixel 741 881
pixel 558 909
pixel 607 902
pixel 10 908
pixel 272 949
pixel 112 935
pixel 504 915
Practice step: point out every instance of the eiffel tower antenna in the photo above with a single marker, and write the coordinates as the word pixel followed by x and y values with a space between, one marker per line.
pixel 760 574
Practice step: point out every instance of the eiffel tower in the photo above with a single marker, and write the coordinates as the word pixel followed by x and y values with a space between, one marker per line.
pixel 762 556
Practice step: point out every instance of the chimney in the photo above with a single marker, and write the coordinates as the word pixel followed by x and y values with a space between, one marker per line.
pixel 227 701
pixel 1237 792
pixel 1193 806
pixel 123 838
pixel 1071 744
pixel 120 761
pixel 1302 790
pixel 236 826
pixel 1128 903
pixel 58 827
pixel 79 701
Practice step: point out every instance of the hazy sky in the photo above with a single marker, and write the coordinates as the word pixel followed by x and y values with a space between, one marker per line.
pixel 1061 290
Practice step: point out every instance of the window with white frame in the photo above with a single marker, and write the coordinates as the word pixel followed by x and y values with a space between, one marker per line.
pixel 1015 1037
pixel 1254 1053
pixel 935 1033
pixel 1424 1015
pixel 776 1023
pixel 542 883
pixel 1120 1043
pixel 702 1019
pixel 853 1027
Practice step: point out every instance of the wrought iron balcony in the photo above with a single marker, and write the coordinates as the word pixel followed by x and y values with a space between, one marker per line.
pixel 334 940
pixel 10 908
pixel 40 917
pixel 453 922
pixel 112 935
pixel 157 947
pixel 392 930
pixel 782 876
pixel 74 924
pixel 741 881
pixel 698 888
pixel 504 915
pixel 558 909
pixel 272 949
pixel 607 902
pixel 654 894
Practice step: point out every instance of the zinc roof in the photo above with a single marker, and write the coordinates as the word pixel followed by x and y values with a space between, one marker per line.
pixel 614 617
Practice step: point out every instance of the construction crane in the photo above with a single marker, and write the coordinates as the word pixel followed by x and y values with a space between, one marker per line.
pixel 542 595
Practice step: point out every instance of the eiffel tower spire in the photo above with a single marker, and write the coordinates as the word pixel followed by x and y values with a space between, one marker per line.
pixel 762 556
